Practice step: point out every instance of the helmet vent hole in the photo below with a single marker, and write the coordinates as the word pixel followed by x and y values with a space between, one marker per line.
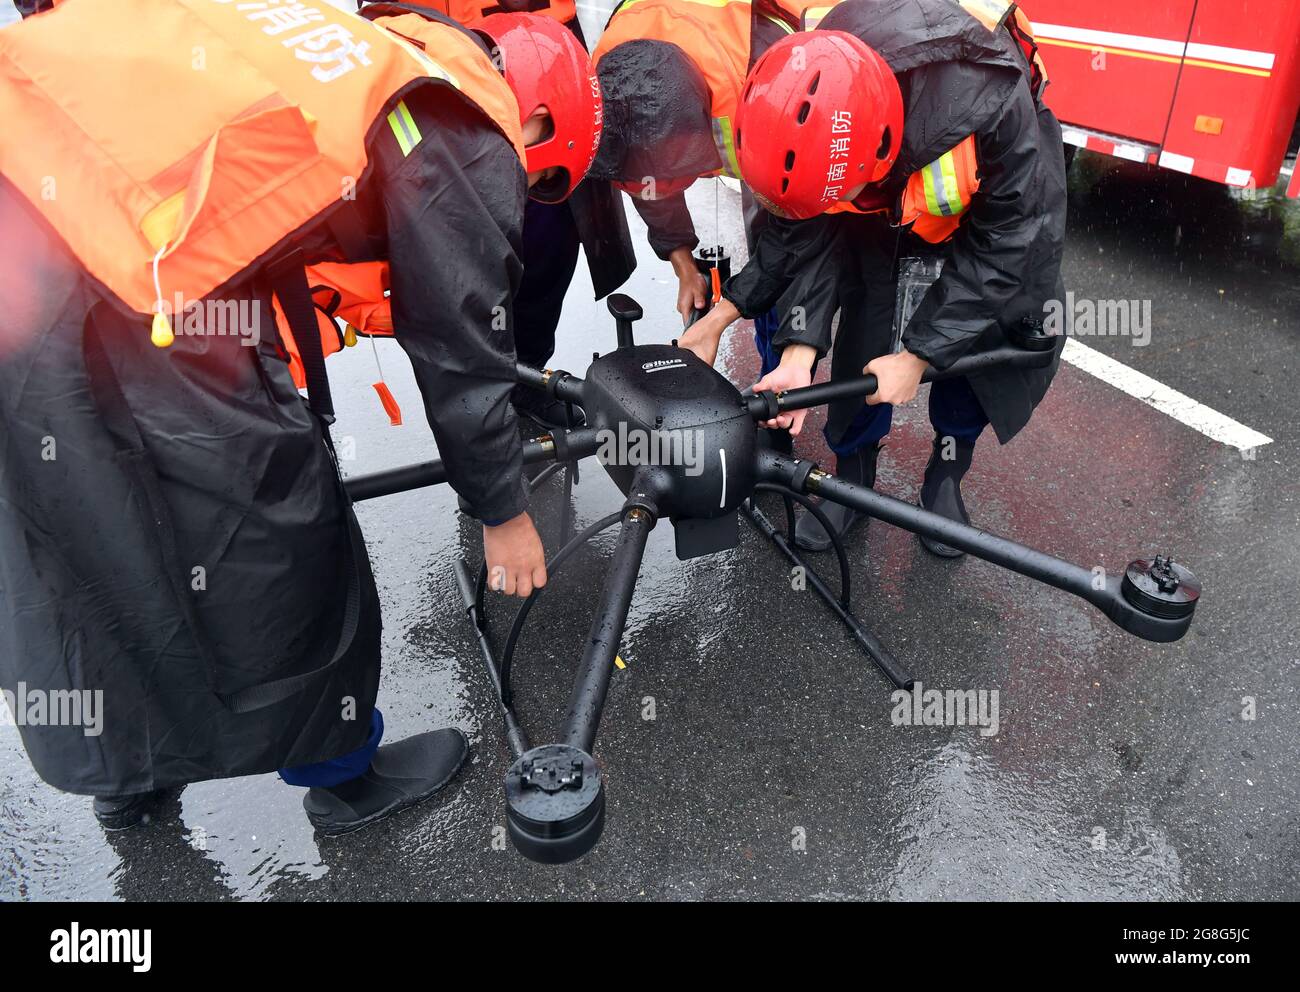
pixel 812 87
pixel 785 184
pixel 737 139
pixel 804 111
pixel 886 143
pixel 789 160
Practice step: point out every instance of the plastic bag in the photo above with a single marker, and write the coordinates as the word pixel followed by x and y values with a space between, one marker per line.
pixel 915 277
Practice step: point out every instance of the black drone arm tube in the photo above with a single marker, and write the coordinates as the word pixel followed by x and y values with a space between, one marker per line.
pixel 864 385
pixel 567 387
pixel 1056 572
pixel 592 683
pixel 1102 591
pixel 575 444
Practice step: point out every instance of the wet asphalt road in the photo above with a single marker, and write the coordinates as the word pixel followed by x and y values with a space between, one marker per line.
pixel 771 769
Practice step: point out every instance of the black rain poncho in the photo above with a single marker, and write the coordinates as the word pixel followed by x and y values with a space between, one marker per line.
pixel 1004 262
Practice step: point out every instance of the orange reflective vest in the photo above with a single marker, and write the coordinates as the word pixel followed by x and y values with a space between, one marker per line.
pixel 229 144
pixel 469 11
pixel 938 196
pixel 714 35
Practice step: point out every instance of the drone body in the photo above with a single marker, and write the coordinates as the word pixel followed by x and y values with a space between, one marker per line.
pixel 655 391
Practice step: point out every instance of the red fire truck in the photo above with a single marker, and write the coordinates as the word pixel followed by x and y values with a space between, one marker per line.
pixel 1206 87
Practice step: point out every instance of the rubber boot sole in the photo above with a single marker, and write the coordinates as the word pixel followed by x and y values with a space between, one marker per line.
pixel 803 543
pixel 338 830
pixel 937 549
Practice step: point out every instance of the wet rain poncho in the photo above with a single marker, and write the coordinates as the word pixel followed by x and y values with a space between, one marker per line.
pixel 656 115
pixel 1004 262
pixel 657 124
pixel 258 524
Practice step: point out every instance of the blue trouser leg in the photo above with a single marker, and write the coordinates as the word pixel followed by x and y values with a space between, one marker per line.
pixel 955 410
pixel 765 327
pixel 550 256
pixel 336 771
pixel 868 426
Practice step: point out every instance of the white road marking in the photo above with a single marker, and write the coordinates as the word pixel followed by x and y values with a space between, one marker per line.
pixel 1167 400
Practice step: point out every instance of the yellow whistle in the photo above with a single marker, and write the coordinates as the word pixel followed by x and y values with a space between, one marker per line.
pixel 161 335
pixel 349 336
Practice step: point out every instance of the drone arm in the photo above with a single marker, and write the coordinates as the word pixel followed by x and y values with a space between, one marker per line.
pixel 1109 593
pixel 563 447
pixel 1007 356
pixel 589 689
pixel 565 387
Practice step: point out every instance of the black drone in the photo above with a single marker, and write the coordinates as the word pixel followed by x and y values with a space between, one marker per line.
pixel 555 798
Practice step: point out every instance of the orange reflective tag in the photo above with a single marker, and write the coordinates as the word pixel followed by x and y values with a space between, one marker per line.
pixel 390 404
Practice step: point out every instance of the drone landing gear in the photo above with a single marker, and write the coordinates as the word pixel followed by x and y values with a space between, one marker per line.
pixel 555 803
pixel 840 605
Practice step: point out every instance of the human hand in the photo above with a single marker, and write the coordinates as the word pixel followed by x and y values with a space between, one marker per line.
pixel 794 372
pixel 515 559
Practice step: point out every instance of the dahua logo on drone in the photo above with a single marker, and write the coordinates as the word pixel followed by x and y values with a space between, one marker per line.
pixel 663 364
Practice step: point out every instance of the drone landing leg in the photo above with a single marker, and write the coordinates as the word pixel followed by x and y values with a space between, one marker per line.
pixel 555 798
pixel 839 605
pixel 472 597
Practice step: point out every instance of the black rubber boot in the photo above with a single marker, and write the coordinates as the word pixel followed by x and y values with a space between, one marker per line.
pixel 125 812
pixel 941 490
pixel 858 468
pixel 401 775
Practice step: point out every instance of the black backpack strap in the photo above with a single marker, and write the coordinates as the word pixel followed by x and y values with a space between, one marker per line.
pixel 133 456
pixel 289 283
pixel 1029 46
pixel 267 693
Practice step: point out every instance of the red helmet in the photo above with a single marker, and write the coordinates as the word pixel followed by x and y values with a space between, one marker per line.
pixel 546 66
pixel 820 113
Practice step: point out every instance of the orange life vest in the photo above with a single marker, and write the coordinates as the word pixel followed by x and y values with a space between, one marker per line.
pixel 469 11
pixel 197 175
pixel 938 196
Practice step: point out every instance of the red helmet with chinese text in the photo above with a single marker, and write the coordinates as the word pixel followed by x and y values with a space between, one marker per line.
pixel 547 67
pixel 820 114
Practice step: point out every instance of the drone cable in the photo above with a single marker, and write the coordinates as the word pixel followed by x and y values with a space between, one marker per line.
pixel 552 566
pixel 809 505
